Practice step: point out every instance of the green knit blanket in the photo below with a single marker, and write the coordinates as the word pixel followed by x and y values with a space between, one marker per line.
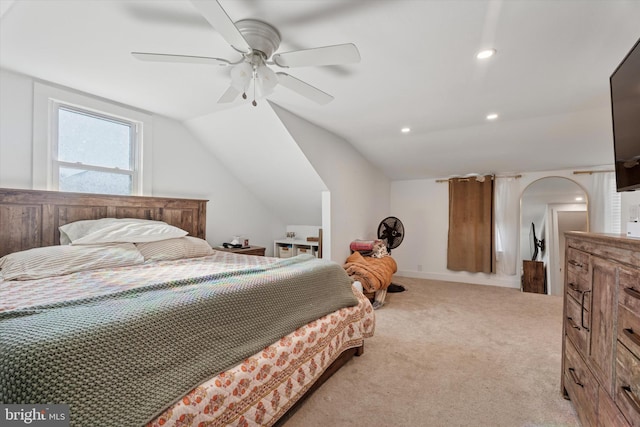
pixel 121 359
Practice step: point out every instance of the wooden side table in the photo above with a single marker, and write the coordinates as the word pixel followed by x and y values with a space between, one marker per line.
pixel 534 277
pixel 250 250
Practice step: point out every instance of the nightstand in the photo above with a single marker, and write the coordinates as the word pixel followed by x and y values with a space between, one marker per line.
pixel 250 250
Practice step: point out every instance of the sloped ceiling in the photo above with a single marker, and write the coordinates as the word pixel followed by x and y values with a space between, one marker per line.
pixel 548 81
pixel 256 147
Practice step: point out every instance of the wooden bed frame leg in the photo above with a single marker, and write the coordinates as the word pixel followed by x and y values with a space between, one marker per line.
pixel 360 350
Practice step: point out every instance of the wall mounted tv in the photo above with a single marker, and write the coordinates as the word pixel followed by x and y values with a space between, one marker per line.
pixel 625 111
pixel 534 243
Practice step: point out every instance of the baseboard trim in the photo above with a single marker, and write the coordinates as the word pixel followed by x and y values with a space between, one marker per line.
pixel 473 278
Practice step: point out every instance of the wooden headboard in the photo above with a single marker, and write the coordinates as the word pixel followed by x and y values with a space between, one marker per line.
pixel 30 218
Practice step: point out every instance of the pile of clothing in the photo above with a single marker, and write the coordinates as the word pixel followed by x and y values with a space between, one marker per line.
pixel 374 270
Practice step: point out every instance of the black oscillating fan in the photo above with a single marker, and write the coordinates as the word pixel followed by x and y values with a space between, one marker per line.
pixel 391 231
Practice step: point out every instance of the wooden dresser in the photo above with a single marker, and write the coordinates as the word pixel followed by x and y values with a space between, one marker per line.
pixel 601 332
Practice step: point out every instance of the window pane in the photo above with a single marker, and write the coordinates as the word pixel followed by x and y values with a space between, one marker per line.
pixel 93 140
pixel 84 181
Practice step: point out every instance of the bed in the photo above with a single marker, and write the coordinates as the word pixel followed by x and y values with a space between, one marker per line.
pixel 161 381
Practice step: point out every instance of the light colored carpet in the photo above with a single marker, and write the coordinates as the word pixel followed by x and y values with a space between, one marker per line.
pixel 451 354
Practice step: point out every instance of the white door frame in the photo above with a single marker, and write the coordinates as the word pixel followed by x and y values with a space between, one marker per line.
pixel 555 272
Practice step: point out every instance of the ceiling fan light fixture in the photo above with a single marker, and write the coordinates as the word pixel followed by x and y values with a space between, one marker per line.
pixel 241 76
pixel 266 78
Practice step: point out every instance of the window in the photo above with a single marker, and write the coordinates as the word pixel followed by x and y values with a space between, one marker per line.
pixel 83 143
pixel 605 203
pixel 93 153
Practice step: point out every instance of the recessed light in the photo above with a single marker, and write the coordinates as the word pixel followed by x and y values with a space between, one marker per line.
pixel 484 54
pixel 579 199
pixel 492 116
pixel 405 130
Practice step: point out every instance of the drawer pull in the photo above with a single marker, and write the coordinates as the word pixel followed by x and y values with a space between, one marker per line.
pixel 572 323
pixel 631 398
pixel 576 263
pixel 582 311
pixel 635 338
pixel 632 292
pixel 575 378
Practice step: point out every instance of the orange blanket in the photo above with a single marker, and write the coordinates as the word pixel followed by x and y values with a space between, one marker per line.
pixel 374 273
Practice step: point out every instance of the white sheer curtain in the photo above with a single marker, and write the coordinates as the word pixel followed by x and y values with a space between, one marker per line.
pixel 604 204
pixel 507 217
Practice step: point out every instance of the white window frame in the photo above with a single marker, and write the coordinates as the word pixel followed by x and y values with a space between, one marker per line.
pixel 134 143
pixel 47 99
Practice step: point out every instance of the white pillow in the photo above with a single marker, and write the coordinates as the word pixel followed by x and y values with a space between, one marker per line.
pixel 52 261
pixel 112 230
pixel 75 230
pixel 171 249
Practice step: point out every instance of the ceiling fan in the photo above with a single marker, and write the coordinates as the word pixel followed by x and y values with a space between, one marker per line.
pixel 257 41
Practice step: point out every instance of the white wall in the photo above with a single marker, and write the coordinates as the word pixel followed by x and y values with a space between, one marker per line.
pixel 423 207
pixel 16 106
pixel 359 192
pixel 182 167
pixel 359 195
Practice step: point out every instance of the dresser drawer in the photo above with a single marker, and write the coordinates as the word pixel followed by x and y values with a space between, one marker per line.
pixel 629 309
pixel 629 283
pixel 578 262
pixel 581 385
pixel 629 329
pixel 627 392
pixel 575 317
pixel 578 283
pixel 577 286
pixel 608 413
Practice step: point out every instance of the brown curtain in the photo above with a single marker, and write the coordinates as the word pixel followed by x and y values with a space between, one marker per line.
pixel 471 225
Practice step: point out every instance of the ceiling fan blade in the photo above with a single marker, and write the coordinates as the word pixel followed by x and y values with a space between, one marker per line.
pixel 164 57
pixel 229 95
pixel 327 55
pixel 304 89
pixel 218 18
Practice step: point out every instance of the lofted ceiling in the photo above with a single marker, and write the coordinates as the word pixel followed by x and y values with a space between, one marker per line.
pixel 548 81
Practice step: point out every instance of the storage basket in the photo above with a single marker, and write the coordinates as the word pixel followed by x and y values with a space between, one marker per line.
pixel 284 252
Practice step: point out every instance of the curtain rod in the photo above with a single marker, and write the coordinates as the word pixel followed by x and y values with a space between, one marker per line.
pixel 590 172
pixel 495 176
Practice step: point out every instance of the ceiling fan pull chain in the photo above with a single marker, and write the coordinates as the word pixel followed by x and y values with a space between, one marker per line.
pixel 244 91
pixel 255 82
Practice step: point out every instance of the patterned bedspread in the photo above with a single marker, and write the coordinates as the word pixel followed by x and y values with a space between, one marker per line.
pixel 106 328
pixel 258 391
pixel 86 284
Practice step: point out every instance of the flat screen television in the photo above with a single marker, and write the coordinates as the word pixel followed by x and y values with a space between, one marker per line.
pixel 625 112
